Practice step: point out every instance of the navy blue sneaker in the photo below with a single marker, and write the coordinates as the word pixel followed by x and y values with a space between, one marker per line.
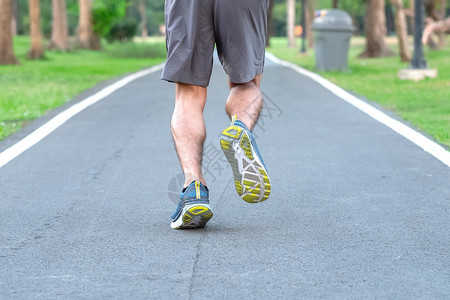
pixel 193 210
pixel 250 174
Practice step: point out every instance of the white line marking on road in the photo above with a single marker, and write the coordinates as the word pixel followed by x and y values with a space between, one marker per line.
pixel 43 131
pixel 420 140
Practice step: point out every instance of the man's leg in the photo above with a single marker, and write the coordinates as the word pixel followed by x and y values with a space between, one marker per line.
pixel 188 129
pixel 245 101
pixel 190 47
pixel 238 142
pixel 189 133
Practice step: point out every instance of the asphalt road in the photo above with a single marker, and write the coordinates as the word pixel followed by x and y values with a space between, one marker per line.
pixel 356 210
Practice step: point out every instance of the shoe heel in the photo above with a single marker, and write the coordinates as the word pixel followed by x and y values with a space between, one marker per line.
pixel 197 216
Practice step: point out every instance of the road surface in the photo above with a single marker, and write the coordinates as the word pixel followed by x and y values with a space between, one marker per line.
pixel 356 211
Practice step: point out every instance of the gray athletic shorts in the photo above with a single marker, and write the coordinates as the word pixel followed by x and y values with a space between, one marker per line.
pixel 237 28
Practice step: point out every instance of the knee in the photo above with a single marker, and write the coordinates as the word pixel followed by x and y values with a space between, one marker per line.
pixel 188 95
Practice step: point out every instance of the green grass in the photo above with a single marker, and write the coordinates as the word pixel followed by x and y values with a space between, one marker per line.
pixel 29 90
pixel 425 104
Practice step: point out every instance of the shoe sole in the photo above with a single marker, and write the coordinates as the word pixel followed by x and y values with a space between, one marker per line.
pixel 193 216
pixel 250 177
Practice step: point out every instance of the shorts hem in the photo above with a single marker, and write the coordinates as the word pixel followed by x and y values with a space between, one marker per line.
pixel 240 79
pixel 186 79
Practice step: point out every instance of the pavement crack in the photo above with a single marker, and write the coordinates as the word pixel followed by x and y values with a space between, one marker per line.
pixel 96 171
pixel 199 244
pixel 34 235
pixel 194 267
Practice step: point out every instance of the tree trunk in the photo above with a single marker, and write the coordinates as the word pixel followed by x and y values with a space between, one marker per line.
pixel 335 4
pixel 6 41
pixel 60 29
pixel 443 9
pixel 14 17
pixel 412 10
pixel 269 22
pixel 430 10
pixel 308 13
pixel 434 24
pixel 400 28
pixel 36 50
pixel 85 33
pixel 376 30
pixel 432 27
pixel 291 23
pixel 143 13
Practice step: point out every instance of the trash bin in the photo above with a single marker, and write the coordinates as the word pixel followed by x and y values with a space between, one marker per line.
pixel 332 30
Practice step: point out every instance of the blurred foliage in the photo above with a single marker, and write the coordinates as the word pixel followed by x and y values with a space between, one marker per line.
pixel 107 13
pixel 123 31
pixel 110 20
pixel 155 14
pixel 120 14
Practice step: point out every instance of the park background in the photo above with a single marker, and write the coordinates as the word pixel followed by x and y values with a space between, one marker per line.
pixel 50 51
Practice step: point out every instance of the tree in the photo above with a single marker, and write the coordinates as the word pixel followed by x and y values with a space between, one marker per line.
pixel 443 9
pixel 376 30
pixel 60 29
pixel 85 32
pixel 143 13
pixel 270 29
pixel 430 8
pixel 6 41
pixel 400 28
pixel 436 23
pixel 291 23
pixel 37 50
pixel 335 4
pixel 411 14
pixel 309 16
pixel 14 17
pixel 440 28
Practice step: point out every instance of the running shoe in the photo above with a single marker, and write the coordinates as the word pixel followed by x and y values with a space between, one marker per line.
pixel 250 174
pixel 193 209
